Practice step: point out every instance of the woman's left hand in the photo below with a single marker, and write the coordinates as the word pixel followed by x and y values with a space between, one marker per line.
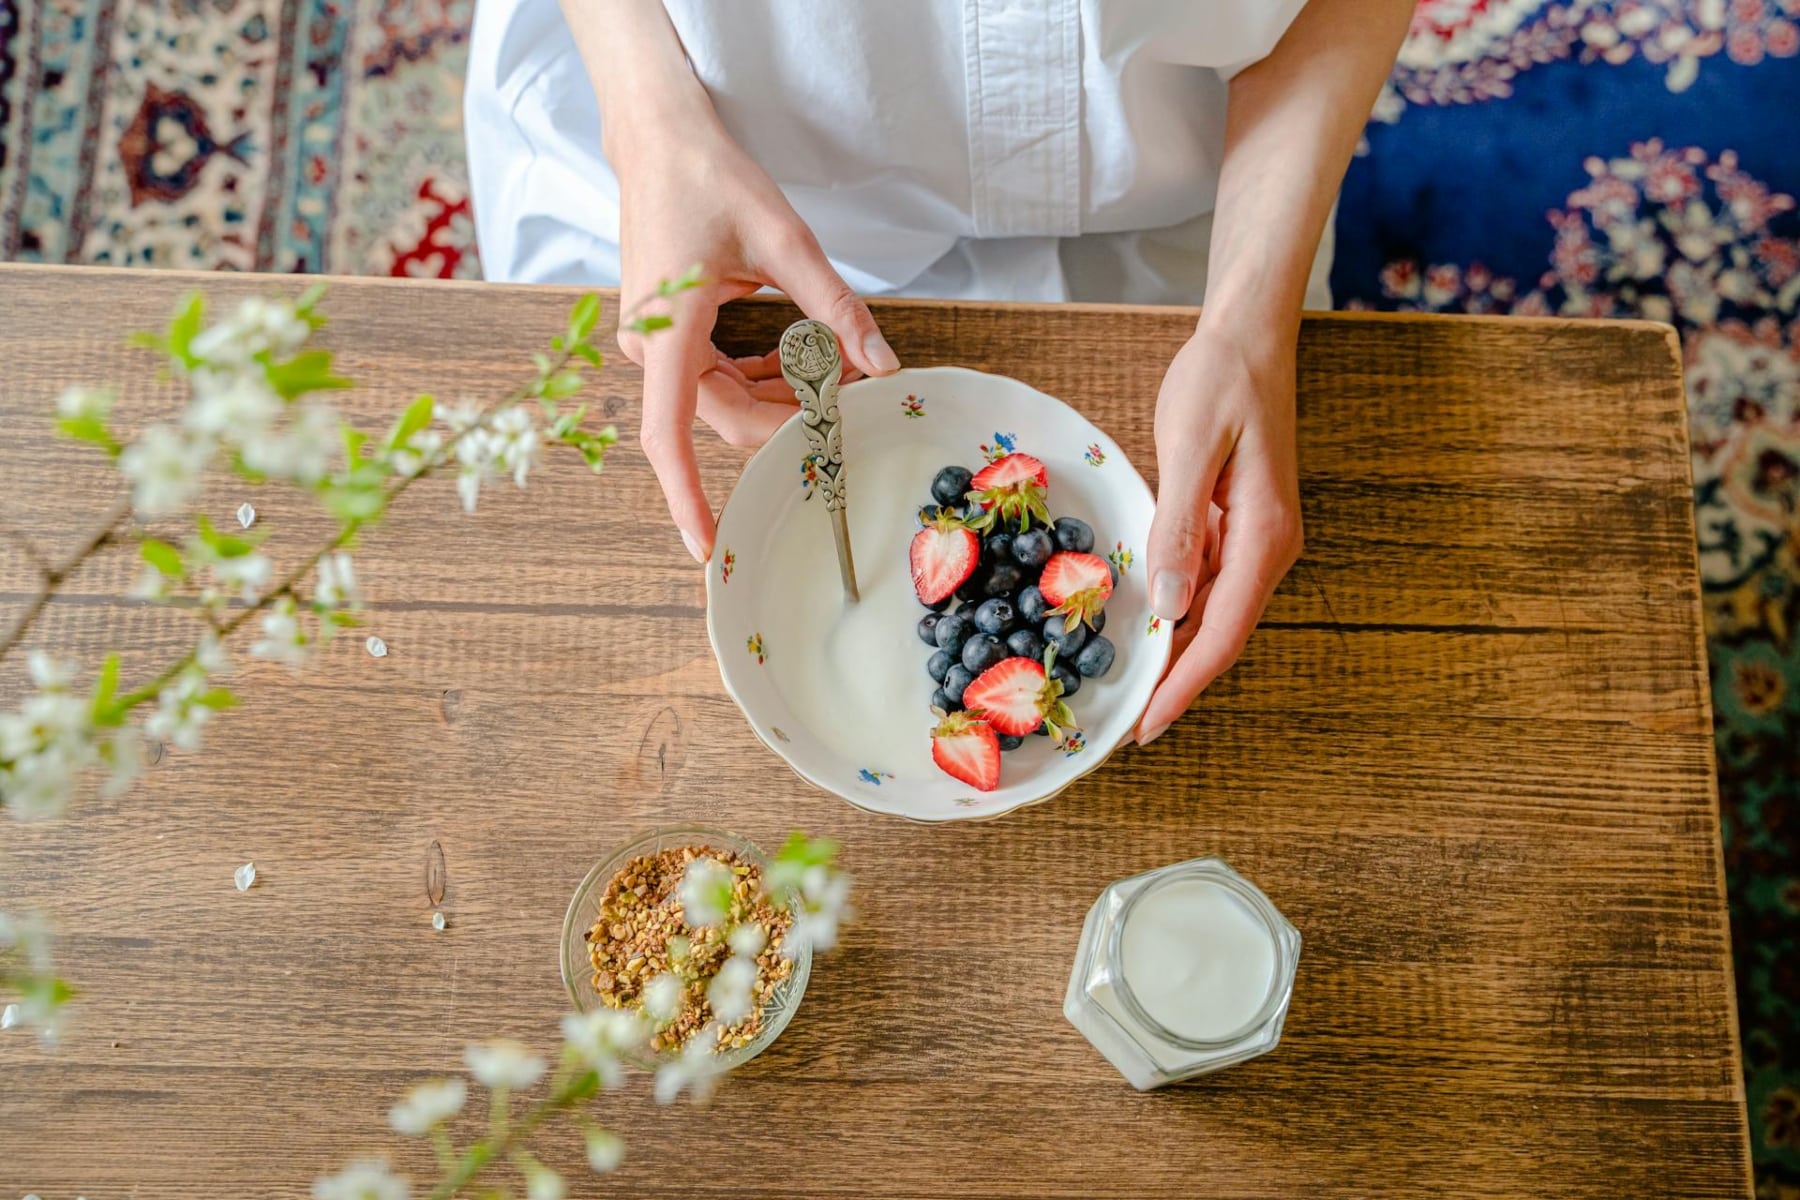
pixel 1227 524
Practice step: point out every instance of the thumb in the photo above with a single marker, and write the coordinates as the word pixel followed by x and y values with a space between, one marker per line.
pixel 1178 532
pixel 822 294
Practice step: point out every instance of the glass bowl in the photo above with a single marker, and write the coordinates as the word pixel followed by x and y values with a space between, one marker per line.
pixel 584 908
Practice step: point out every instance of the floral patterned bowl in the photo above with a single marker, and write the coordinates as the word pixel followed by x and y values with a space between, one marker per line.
pixel 841 691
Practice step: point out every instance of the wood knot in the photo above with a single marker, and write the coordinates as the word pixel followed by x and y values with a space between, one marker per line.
pixel 660 751
pixel 436 874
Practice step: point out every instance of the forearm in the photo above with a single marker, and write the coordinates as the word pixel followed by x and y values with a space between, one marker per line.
pixel 634 58
pixel 1292 123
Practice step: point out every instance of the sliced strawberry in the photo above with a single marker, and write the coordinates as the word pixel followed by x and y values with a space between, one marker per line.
pixel 965 747
pixel 1076 585
pixel 1016 695
pixel 944 554
pixel 1012 488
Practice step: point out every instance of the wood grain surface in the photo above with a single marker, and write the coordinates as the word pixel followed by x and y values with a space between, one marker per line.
pixel 1468 754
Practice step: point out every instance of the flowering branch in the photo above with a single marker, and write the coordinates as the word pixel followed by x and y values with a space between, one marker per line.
pixel 51 577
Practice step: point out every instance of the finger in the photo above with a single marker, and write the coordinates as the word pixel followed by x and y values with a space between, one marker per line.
pixel 1235 603
pixel 737 416
pixel 760 366
pixel 807 276
pixel 1177 546
pixel 774 391
pixel 674 360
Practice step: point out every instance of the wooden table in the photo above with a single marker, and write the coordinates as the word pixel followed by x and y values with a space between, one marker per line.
pixel 1468 754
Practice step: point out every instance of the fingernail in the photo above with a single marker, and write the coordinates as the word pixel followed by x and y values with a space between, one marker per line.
pixel 881 356
pixel 1146 736
pixel 1169 597
pixel 687 539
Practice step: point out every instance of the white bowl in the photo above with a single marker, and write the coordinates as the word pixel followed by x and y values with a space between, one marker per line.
pixel 807 669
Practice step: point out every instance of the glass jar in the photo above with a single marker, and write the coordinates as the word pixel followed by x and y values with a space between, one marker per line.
pixel 1195 946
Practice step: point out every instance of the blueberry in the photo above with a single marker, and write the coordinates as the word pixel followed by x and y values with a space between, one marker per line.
pixel 941 605
pixel 1032 606
pixel 998 547
pixel 1025 643
pixel 939 664
pixel 928 628
pixel 1067 641
pixel 1033 548
pixel 994 616
pixel 944 701
pixel 955 680
pixel 1009 742
pixel 1072 533
pixel 1070 681
pixel 982 651
pixel 1003 579
pixel 927 515
pixel 1042 730
pixel 951 485
pixel 1099 622
pixel 1096 658
pixel 975 586
pixel 952 631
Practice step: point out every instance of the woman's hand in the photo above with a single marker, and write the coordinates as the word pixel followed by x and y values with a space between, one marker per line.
pixel 1227 524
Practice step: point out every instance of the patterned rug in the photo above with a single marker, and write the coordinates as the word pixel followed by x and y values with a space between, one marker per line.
pixel 1627 157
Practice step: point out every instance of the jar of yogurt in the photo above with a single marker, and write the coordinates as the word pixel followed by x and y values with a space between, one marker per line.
pixel 1182 970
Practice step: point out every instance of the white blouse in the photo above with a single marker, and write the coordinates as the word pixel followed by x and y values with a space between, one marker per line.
pixel 998 149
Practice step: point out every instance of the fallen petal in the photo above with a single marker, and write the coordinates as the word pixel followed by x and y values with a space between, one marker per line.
pixel 437 920
pixel 9 1016
pixel 246 514
pixel 244 876
pixel 377 647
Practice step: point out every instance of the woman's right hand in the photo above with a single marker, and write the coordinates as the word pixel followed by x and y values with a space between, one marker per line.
pixel 698 201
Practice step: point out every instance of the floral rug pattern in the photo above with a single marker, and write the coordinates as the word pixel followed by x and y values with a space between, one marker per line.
pixel 1588 157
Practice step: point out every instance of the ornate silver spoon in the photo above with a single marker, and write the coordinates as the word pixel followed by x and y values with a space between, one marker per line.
pixel 812 365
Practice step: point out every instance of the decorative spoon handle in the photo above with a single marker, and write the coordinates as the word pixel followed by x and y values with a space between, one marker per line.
pixel 812 365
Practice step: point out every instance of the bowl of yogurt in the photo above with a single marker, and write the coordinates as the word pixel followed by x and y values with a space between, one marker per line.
pixel 841 691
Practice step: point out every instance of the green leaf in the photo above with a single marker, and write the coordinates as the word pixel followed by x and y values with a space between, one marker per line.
pixel 807 851
pixel 689 278
pixel 556 343
pixel 542 362
pixel 105 688
pixel 344 620
pixel 309 299
pixel 587 353
pixel 583 318
pixel 92 430
pixel 184 327
pixel 354 503
pixel 47 990
pixel 222 544
pixel 563 383
pixel 163 557
pixel 217 699
pixel 148 341
pixel 416 417
pixel 354 441
pixel 307 371
pixel 650 324
pixel 568 423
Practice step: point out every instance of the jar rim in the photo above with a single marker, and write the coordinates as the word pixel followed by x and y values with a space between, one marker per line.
pixel 1215 871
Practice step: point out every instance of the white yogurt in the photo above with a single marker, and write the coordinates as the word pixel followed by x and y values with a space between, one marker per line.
pixel 1198 960
pixel 854 674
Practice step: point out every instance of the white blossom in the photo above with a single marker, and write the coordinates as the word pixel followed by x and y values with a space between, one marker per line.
pixel 729 991
pixel 662 997
pixel 696 1069
pixel 282 638
pixel 125 754
pixel 151 585
pixel 605 1151
pixel 45 744
pixel 179 715
pixel 417 452
pixel 336 586
pixel 164 466
pixel 824 905
pixel 302 452
pixel 601 1038
pixel 364 1179
pixel 427 1104
pixel 705 891
pixel 246 574
pixel 748 939
pixel 541 1183
pixel 257 327
pixel 503 1063
pixel 235 406
pixel 514 441
pixel 49 673
pixel 210 656
pixel 84 403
